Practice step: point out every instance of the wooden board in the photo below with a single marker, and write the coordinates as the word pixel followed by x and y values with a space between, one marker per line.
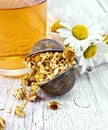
pixel 85 106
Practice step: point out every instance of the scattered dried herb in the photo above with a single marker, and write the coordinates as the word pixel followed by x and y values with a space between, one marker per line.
pixel 32 97
pixel 19 110
pixel 2 123
pixel 20 93
pixel 53 105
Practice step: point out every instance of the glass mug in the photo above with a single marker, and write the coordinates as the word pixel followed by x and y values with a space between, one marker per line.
pixel 22 23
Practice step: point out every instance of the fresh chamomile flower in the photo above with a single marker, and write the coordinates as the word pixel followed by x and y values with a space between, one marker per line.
pixel 53 23
pixel 79 31
pixel 106 39
pixel 54 19
pixel 103 20
pixel 92 56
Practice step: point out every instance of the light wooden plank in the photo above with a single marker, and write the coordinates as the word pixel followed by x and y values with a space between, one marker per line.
pixel 103 4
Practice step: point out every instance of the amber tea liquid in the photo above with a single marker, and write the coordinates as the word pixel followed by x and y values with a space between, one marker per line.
pixel 20 28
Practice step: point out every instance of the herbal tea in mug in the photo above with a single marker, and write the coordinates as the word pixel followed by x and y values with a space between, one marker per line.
pixel 22 23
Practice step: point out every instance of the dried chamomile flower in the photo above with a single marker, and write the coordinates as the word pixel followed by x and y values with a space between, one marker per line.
pixel 37 58
pixel 53 105
pixel 39 77
pixel 69 53
pixel 20 93
pixel 34 87
pixel 25 80
pixel 32 97
pixel 2 123
pixel 27 60
pixel 19 110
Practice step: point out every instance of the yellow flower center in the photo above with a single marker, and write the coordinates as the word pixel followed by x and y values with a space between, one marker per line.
pixel 90 51
pixel 80 32
pixel 106 39
pixel 56 26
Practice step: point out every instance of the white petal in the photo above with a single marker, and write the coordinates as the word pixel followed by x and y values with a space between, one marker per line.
pixel 99 58
pixel 85 44
pixel 68 40
pixel 82 59
pixel 78 53
pixel 72 19
pixel 73 43
pixel 83 70
pixel 90 62
pixel 64 32
pixel 66 25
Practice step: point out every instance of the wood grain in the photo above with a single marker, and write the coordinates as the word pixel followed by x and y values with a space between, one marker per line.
pixel 91 87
